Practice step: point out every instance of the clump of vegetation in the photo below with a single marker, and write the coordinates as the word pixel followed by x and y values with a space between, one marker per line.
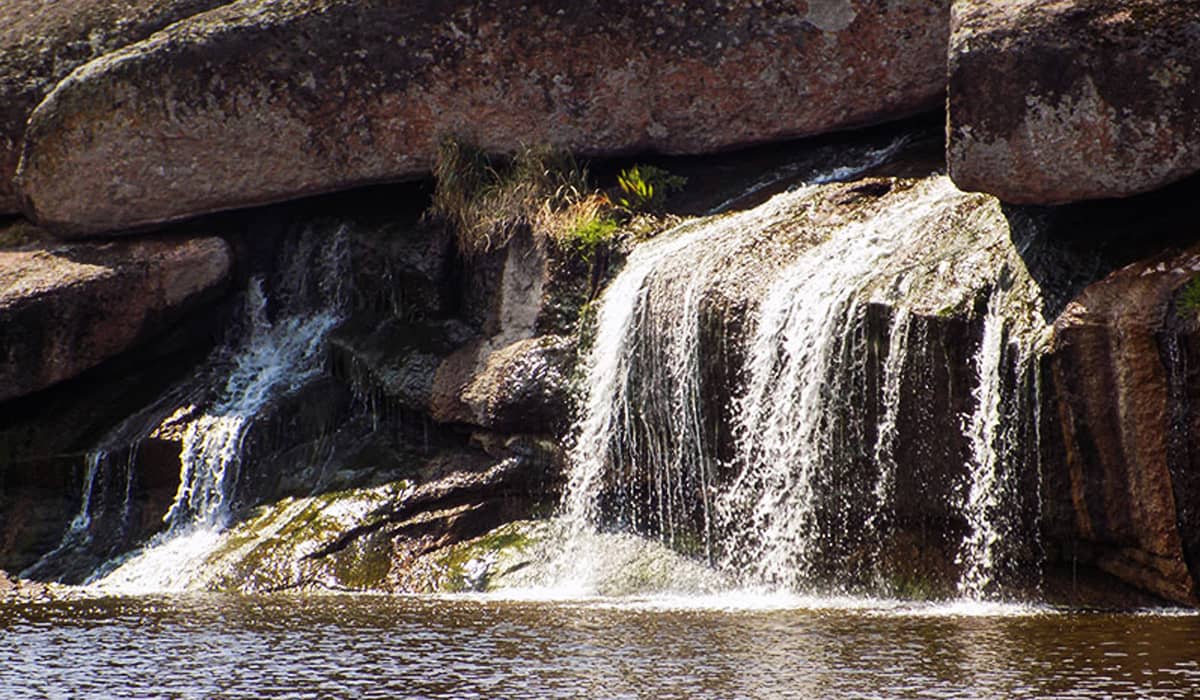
pixel 644 188
pixel 1188 300
pixel 489 198
pixel 587 226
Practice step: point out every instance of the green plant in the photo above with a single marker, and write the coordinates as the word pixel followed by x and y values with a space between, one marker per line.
pixel 1189 297
pixel 589 234
pixel 645 187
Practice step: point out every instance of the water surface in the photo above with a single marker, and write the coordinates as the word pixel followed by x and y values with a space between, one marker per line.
pixel 205 646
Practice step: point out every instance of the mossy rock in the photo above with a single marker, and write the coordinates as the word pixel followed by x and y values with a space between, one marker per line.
pixel 271 550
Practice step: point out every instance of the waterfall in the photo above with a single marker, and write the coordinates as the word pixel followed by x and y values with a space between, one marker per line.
pixel 276 358
pixel 649 318
pixel 994 428
pixel 887 433
pixel 799 421
pixel 790 479
pixel 983 495
pixel 79 530
pixel 271 356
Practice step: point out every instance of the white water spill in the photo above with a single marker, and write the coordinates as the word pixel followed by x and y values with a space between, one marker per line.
pixel 612 437
pixel 888 430
pixel 982 427
pixel 764 599
pixel 277 358
pixel 805 332
pixel 272 359
pixel 990 519
pixel 810 490
pixel 608 368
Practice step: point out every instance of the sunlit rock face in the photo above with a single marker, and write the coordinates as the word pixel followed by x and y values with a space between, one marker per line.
pixel 1123 368
pixel 260 101
pixel 1065 101
pixel 41 42
pixel 66 308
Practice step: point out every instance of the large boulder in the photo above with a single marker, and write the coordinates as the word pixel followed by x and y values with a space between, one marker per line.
pixel 524 387
pixel 67 308
pixel 42 41
pixel 1072 100
pixel 264 100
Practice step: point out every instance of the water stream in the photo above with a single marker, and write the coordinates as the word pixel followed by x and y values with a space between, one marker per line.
pixel 279 349
pixel 803 495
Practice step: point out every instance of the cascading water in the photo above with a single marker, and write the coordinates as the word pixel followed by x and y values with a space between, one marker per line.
pixel 887 434
pixel 276 358
pixel 612 434
pixel 270 359
pixel 634 330
pixel 799 423
pixel 979 549
pixel 799 488
pixel 994 428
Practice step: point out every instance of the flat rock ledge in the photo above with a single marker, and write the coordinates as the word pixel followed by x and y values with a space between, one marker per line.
pixel 66 308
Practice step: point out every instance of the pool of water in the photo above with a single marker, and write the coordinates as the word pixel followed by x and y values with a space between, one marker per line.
pixel 342 646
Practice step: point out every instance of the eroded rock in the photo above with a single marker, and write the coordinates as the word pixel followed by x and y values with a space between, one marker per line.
pixel 328 95
pixel 1124 398
pixel 525 387
pixel 1072 100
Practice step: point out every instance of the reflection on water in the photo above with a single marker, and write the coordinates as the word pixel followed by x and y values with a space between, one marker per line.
pixel 384 647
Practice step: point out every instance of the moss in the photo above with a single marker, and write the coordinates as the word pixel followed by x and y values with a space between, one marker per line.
pixel 1188 299
pixel 363 566
pixel 455 575
pixel 267 551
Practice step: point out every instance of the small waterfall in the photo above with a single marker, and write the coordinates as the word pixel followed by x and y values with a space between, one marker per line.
pixel 608 406
pixel 1004 418
pixel 638 327
pixel 644 458
pixel 887 433
pixel 106 516
pixel 791 478
pixel 79 530
pixel 268 359
pixel 276 358
pixel 800 423
pixel 983 501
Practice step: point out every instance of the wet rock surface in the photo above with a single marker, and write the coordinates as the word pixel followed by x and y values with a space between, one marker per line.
pixel 329 95
pixel 1065 101
pixel 1120 369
